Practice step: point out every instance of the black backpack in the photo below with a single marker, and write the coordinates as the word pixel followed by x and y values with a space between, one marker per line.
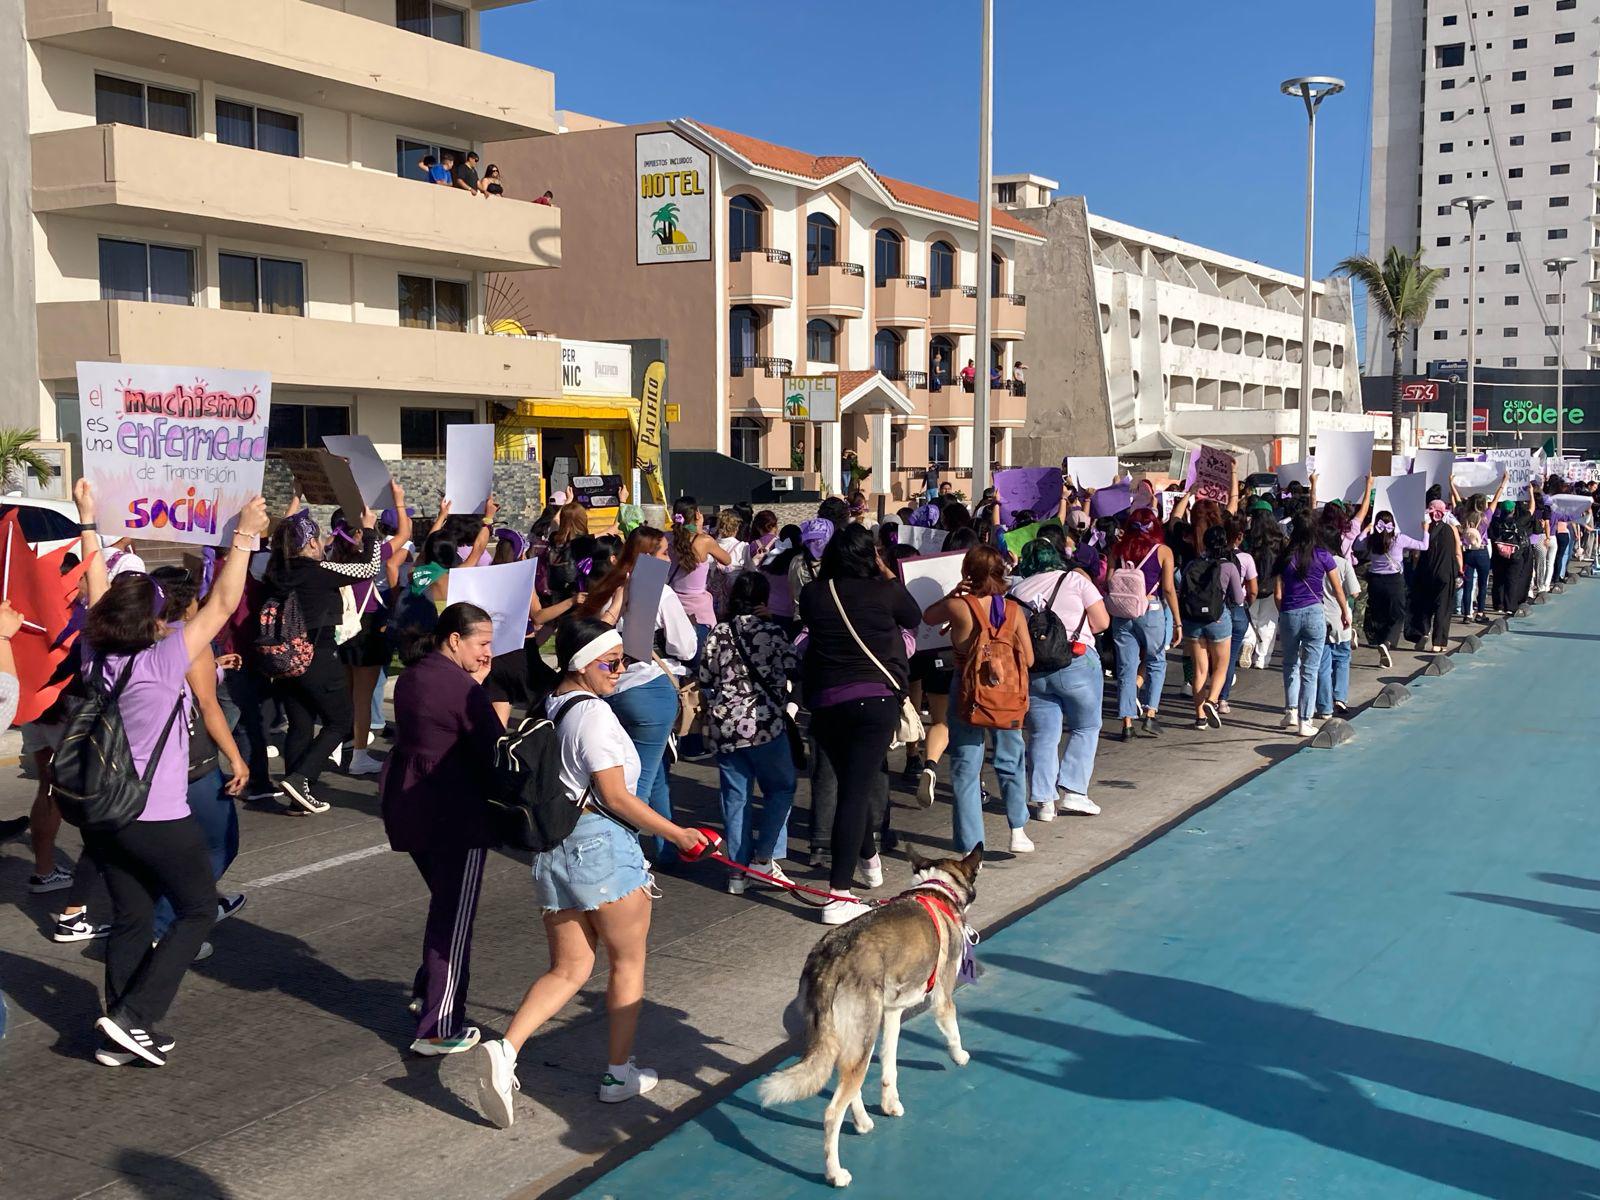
pixel 529 809
pixel 1200 597
pixel 1053 647
pixel 96 784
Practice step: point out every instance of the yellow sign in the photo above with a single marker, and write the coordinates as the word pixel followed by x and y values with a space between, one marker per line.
pixel 673 414
pixel 650 414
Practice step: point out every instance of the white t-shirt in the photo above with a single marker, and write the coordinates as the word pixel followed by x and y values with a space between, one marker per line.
pixel 1077 593
pixel 680 640
pixel 592 739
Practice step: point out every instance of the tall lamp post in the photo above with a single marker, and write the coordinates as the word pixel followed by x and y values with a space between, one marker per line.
pixel 1313 89
pixel 980 390
pixel 1474 205
pixel 1559 266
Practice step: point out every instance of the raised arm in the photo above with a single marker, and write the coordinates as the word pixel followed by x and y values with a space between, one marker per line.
pixel 1366 501
pixel 402 520
pixel 94 562
pixel 481 542
pixel 202 679
pixel 228 587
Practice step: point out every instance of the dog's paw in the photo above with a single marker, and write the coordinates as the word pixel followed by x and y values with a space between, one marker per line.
pixel 960 1057
pixel 863 1123
pixel 840 1178
pixel 892 1107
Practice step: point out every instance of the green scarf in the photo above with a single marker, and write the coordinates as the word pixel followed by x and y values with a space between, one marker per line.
pixel 425 576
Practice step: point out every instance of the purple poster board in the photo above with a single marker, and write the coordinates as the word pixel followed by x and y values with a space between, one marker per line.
pixel 1110 501
pixel 1035 488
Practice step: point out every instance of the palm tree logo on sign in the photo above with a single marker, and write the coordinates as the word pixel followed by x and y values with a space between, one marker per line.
pixel 796 407
pixel 664 226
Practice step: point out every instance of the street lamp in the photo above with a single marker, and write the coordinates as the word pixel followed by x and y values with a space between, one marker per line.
pixel 1474 205
pixel 1559 266
pixel 1313 89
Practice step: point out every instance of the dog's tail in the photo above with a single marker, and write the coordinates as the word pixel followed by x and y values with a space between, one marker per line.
pixel 808 1076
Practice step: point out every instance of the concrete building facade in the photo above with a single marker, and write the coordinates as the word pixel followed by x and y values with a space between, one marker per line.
pixel 239 185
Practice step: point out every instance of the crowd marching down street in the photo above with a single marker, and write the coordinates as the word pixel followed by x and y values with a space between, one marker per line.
pixel 967 634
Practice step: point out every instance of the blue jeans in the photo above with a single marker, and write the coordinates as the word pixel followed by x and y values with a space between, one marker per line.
pixel 1070 697
pixel 771 766
pixel 219 820
pixel 1141 641
pixel 377 698
pixel 965 757
pixel 648 713
pixel 1333 675
pixel 1302 632
pixel 1563 554
pixel 1476 564
pixel 1239 614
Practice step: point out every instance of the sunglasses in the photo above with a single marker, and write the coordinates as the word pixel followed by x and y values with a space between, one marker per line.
pixel 609 665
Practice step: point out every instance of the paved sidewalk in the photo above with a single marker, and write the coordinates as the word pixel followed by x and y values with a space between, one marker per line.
pixel 291 1077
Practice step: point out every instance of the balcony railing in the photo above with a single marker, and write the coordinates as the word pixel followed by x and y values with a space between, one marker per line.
pixel 772 256
pixel 847 268
pixel 1016 298
pixel 913 281
pixel 967 290
pixel 774 368
pixel 914 379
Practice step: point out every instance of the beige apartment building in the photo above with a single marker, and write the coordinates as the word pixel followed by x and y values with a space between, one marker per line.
pixel 238 184
pixel 757 261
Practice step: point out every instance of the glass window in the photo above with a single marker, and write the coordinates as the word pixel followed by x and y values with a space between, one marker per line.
pixel 303 426
pixel 236 124
pixel 1008 193
pixel 941 441
pixel 941 267
pixel 821 341
pixel 124 268
pixel 449 25
pixel 170 111
pixel 744 225
pixel 258 128
pixel 744 440
pixel 269 285
pixel 439 21
pixel 126 102
pixel 422 430
pixel 1561 135
pixel 433 303
pixel 171 275
pixel 416 302
pixel 413 16
pixel 1566 70
pixel 744 336
pixel 450 306
pixel 997 275
pixel 886 255
pixel 1452 55
pixel 886 352
pixel 236 278
pixel 822 242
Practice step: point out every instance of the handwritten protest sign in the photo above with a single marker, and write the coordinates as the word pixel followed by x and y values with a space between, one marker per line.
pixel 505 592
pixel 468 467
pixel 1213 474
pixel 931 578
pixel 926 541
pixel 1034 489
pixel 173 452
pixel 597 491
pixel 370 471
pixel 1518 464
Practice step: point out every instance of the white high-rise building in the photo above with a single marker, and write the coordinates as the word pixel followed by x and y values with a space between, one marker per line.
pixel 1494 98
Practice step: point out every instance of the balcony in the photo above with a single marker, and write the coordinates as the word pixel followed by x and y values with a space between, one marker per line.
pixel 901 300
pixel 755 383
pixel 912 383
pixel 953 310
pixel 136 176
pixel 836 289
pixel 299 352
pixel 1008 317
pixel 761 276
pixel 952 402
pixel 310 54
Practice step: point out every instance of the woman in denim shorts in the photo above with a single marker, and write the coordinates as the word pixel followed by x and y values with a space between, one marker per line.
pixel 593 887
pixel 1209 644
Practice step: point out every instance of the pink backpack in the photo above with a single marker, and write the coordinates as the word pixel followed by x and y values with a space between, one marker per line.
pixel 1126 593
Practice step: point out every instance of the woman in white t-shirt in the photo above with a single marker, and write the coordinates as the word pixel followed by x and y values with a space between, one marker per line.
pixel 1069 696
pixel 593 887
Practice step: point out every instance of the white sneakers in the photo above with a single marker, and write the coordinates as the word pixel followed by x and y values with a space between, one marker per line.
pixel 497 1081
pixel 872 871
pixel 1291 718
pixel 926 782
pixel 737 884
pixel 362 763
pixel 769 867
pixel 625 1082
pixel 1021 843
pixel 1307 729
pixel 436 1046
pixel 1042 812
pixel 843 910
pixel 1074 802
pixel 1384 657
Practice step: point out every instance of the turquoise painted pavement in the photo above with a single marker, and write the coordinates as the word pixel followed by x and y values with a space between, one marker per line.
pixel 1370 972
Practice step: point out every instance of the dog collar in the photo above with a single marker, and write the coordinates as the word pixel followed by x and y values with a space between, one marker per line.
pixel 933 906
pixel 950 893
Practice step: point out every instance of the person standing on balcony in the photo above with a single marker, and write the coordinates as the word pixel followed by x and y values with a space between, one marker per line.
pixel 548 199
pixel 969 375
pixel 465 175
pixel 436 171
pixel 1019 378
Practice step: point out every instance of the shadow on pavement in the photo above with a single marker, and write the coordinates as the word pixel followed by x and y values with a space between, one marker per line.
pixel 1571 881
pixel 60 1000
pixel 1572 915
pixel 162 1177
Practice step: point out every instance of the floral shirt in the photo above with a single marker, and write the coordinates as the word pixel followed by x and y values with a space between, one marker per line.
pixel 740 712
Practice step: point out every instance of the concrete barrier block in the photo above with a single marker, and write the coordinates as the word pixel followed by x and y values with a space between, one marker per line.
pixel 1521 612
pixel 1393 695
pixel 1498 625
pixel 1335 731
pixel 1471 644
pixel 1439 664
pixel 1539 599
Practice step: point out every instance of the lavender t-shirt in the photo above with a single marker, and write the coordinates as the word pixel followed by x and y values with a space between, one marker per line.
pixel 148 700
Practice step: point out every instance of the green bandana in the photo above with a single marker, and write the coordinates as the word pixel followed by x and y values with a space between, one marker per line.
pixel 425 576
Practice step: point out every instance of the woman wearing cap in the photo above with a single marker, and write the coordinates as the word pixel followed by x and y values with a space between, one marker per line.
pixel 368 652
pixel 1439 568
pixel 593 887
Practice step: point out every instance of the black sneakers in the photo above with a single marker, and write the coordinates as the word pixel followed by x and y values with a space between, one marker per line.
pixel 109 1055
pixel 77 927
pixel 228 904
pixel 129 1039
pixel 298 789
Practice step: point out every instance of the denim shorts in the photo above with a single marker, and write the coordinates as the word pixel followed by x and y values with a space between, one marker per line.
pixel 1220 630
pixel 599 862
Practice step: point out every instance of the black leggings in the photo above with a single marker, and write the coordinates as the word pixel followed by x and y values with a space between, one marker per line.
pixel 322 692
pixel 1386 609
pixel 855 736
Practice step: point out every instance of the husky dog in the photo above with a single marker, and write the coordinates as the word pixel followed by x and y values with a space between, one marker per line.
pixel 868 973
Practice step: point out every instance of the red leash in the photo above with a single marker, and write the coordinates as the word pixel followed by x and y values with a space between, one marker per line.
pixel 711 851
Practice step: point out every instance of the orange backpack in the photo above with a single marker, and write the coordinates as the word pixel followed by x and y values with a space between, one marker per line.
pixel 994 682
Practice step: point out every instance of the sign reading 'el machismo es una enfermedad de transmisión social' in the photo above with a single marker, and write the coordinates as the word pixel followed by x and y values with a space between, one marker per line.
pixel 672 199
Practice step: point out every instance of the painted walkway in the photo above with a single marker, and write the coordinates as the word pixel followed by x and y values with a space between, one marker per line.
pixel 1371 972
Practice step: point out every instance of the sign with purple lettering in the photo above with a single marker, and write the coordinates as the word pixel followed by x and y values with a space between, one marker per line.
pixel 1213 474
pixel 173 452
pixel 1034 489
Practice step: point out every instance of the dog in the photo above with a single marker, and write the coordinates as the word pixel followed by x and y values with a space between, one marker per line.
pixel 864 975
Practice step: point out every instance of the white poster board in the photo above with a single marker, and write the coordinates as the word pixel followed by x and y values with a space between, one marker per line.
pixel 1518 465
pixel 370 471
pixel 672 199
pixel 1294 472
pixel 1434 466
pixel 1406 497
pixel 1344 460
pixel 1571 508
pixel 1477 478
pixel 173 452
pixel 640 606
pixel 505 592
pixel 926 541
pixel 468 467
pixel 1095 472
pixel 929 579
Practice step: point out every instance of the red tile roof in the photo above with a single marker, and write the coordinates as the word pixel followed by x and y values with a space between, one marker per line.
pixel 812 166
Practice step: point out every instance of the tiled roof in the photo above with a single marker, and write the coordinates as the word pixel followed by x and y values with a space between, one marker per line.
pixel 812 166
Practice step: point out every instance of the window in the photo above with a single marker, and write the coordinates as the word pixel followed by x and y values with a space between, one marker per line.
pixel 408 156
pixel 1561 135
pixel 1514 205
pixel 744 225
pixel 997 274
pixel 1514 173
pixel 1446 178
pixel 1508 362
pixel 744 337
pixel 1446 85
pixel 1511 301
pixel 1560 168
pixel 744 440
pixel 1517 139
pixel 1443 210
pixel 303 426
pixel 1441 304
pixel 433 303
pixel 1563 39
pixel 1518 76
pixel 887 246
pixel 1007 193
pixel 941 361
pixel 1446 147
pixel 1452 55
pixel 1564 5
pixel 1514 236
pixel 1518 109
pixel 1441 241
pixel 267 285
pixel 1446 117
pixel 1558 201
pixel 941 267
pixel 822 242
pixel 1450 20
pixel 1509 331
pixel 258 128
pixel 1562 102
pixel 1551 330
pixel 126 102
pixel 422 430
pixel 1555 235
pixel 1439 335
pixel 1549 360
pixel 886 348
pixel 822 341
pixel 941 441
pixel 136 271
pixel 1520 10
pixel 1513 268
pixel 438 21
pixel 1560 71
pixel 1519 43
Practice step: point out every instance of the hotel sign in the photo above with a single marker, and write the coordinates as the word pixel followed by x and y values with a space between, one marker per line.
pixel 672 199
pixel 813 398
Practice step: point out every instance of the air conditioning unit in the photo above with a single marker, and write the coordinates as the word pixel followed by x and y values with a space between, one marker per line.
pixel 785 483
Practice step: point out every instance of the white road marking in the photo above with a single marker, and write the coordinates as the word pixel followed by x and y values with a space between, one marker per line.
pixel 337 860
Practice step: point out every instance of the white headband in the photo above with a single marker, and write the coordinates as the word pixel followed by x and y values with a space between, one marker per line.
pixel 586 654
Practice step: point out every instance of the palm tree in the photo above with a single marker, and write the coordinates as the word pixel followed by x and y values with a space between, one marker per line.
pixel 17 454
pixel 664 222
pixel 1401 290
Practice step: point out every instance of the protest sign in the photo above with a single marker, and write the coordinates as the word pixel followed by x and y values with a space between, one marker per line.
pixel 325 479
pixel 1095 472
pixel 1517 463
pixel 1035 489
pixel 1294 472
pixel 468 467
pixel 1344 460
pixel 597 491
pixel 173 453
pixel 1118 498
pixel 929 579
pixel 1476 477
pixel 1434 466
pixel 371 472
pixel 1571 508
pixel 1169 501
pixel 926 541
pixel 505 592
pixel 1405 496
pixel 640 606
pixel 1016 539
pixel 1213 475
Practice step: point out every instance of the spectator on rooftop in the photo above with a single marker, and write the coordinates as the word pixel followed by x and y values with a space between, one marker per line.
pixel 548 198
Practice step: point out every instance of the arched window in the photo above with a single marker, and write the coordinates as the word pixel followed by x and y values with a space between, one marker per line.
pixel 886 349
pixel 744 440
pixel 997 274
pixel 941 267
pixel 941 443
pixel 744 337
pixel 887 255
pixel 822 242
pixel 822 344
pixel 941 360
pixel 744 225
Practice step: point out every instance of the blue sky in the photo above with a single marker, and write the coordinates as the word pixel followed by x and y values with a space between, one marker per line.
pixel 1165 114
